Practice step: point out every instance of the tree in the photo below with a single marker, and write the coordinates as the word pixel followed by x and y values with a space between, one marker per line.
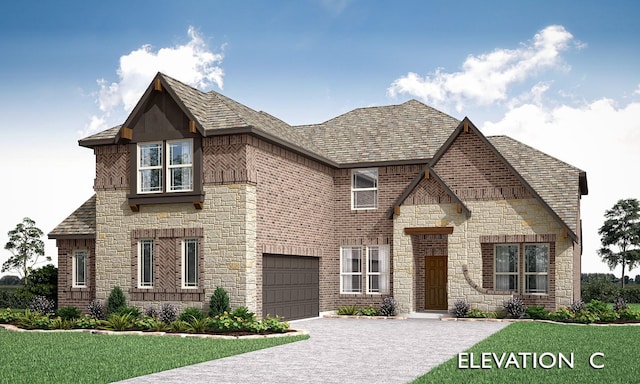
pixel 621 230
pixel 10 280
pixel 26 248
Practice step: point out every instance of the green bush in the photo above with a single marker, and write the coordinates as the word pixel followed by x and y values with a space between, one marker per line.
pixel 369 311
pixel 120 322
pixel 88 322
pixel 597 307
pixel 115 301
pixel 629 314
pixel 69 313
pixel 15 298
pixel 191 313
pixel 348 310
pixel 602 289
pixel 8 316
pixel 219 302
pixel 150 323
pixel 629 294
pixel 133 311
pixel 537 312
pixel 42 282
pixel 33 320
pixel 562 314
pixel 477 314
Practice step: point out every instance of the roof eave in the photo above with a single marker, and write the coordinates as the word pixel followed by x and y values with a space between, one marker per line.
pixel 70 236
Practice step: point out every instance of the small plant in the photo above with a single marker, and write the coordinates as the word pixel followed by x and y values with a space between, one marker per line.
pixel 597 307
pixel 42 305
pixel 620 304
pixel 219 302
pixel 117 322
pixel 133 311
pixel 179 326
pixel 60 323
pixel 149 323
pixel 461 308
pixel 369 310
pixel 69 313
pixel 168 313
pixel 8 316
pixel 562 315
pixel 348 310
pixel 96 310
pixel 577 306
pixel 34 320
pixel 151 311
pixel 197 325
pixel 88 322
pixel 274 324
pixel 537 312
pixel 191 313
pixel 388 307
pixel 116 300
pixel 515 307
pixel 625 314
pixel 476 313
pixel 242 313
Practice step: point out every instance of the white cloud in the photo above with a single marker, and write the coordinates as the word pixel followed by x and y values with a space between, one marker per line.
pixel 485 79
pixel 192 63
pixel 600 137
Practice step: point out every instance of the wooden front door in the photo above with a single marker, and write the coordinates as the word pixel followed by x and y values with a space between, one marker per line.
pixel 435 282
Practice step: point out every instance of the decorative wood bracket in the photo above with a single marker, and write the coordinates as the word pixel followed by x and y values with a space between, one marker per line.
pixel 396 210
pixel 126 133
pixel 198 205
pixel 134 207
pixel 466 126
pixel 192 127
pixel 157 85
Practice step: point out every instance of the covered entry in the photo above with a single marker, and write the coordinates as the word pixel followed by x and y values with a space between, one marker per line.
pixel 430 260
pixel 290 286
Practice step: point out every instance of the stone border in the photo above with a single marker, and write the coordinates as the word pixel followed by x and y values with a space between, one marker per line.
pixel 535 320
pixel 365 317
pixel 298 332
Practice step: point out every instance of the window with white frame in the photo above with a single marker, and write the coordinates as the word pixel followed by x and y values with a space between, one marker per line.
pixel 378 269
pixel 178 166
pixel 364 188
pixel 150 168
pixel 79 268
pixel 536 268
pixel 506 267
pixel 145 263
pixel 190 263
pixel 350 269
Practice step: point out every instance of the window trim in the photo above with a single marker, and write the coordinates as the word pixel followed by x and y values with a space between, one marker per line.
pixel 354 189
pixel 141 283
pixel 526 273
pixel 495 265
pixel 169 166
pixel 74 271
pixel 383 273
pixel 166 186
pixel 140 168
pixel 343 273
pixel 183 265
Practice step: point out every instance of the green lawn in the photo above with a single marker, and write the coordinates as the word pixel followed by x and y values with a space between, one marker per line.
pixel 74 357
pixel 618 343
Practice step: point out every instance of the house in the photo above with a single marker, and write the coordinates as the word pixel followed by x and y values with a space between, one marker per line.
pixel 195 190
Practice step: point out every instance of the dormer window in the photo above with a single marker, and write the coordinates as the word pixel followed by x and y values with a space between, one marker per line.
pixel 178 166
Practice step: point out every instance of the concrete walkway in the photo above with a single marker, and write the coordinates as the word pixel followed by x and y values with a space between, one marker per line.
pixel 341 350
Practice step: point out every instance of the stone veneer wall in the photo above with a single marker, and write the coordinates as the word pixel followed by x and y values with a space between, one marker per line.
pixel 228 219
pixel 502 217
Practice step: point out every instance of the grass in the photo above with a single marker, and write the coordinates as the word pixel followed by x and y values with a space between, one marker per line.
pixel 618 343
pixel 80 357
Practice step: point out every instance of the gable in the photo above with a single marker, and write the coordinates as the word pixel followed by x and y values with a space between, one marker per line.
pixel 473 171
pixel 428 191
pixel 160 118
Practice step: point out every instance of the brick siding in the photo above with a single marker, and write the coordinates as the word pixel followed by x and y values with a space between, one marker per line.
pixel 68 296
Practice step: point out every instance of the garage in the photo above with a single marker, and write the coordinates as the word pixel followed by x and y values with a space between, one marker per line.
pixel 290 286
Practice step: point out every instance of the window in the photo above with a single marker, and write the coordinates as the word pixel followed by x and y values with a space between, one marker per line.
pixel 179 167
pixel 350 269
pixel 506 267
pixel 378 269
pixel 536 268
pixel 145 264
pixel 79 269
pixel 190 263
pixel 364 188
pixel 150 167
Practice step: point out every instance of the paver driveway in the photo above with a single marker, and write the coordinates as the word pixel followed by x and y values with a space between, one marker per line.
pixel 342 351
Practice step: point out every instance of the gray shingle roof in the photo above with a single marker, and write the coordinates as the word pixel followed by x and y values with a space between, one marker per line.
pixel 81 223
pixel 555 181
pixel 409 131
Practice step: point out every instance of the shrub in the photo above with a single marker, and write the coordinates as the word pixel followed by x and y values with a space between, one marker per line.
pixel 60 323
pixel 562 314
pixel 369 310
pixel 630 294
pixel 191 313
pixel 69 313
pixel 149 323
pixel 244 314
pixel 116 300
pixel 586 317
pixel 42 281
pixel 602 289
pixel 168 313
pixel 14 299
pixel 597 307
pixel 477 314
pixel 151 311
pixel 577 306
pixel 389 306
pixel 96 310
pixel 179 326
pixel 42 305
pixel 33 320
pixel 88 322
pixel 515 308
pixel 197 325
pixel 347 310
pixel 619 304
pixel 133 311
pixel 274 324
pixel 120 322
pixel 219 302
pixel 537 312
pixel 460 308
pixel 8 316
pixel 625 314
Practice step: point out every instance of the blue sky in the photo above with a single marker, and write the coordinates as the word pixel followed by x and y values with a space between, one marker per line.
pixel 561 76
